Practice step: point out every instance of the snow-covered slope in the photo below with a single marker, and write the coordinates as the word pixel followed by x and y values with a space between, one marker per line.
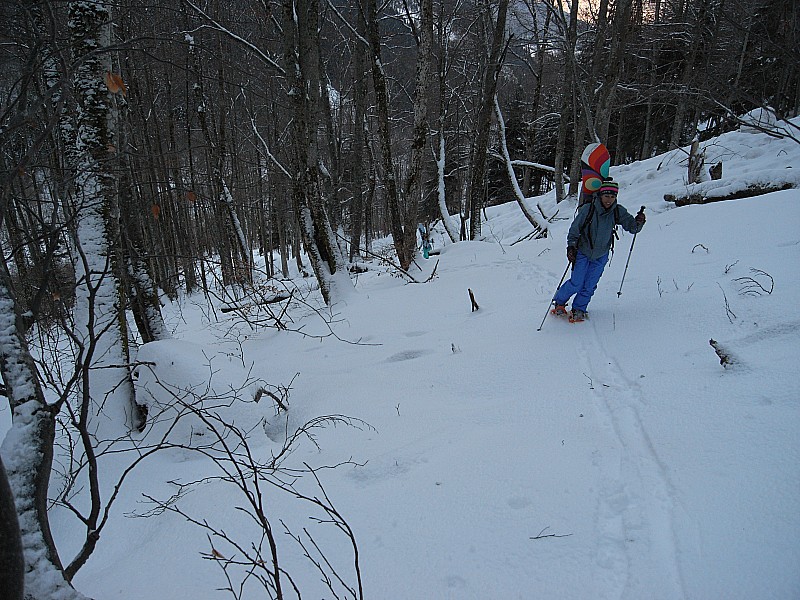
pixel 610 459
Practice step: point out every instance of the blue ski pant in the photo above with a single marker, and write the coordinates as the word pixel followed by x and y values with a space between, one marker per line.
pixel 583 281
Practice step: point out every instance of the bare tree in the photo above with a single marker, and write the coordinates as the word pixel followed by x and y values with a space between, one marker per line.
pixel 100 315
pixel 12 560
pixel 301 31
pixel 569 105
pixel 28 451
pixel 384 131
pixel 484 118
pixel 539 230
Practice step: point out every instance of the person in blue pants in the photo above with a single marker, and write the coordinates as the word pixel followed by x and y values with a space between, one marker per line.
pixel 589 241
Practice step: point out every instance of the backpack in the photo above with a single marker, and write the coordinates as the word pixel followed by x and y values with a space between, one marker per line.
pixel 588 220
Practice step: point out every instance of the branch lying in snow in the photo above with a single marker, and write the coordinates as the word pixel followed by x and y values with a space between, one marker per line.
pixel 722 193
pixel 591 383
pixel 542 534
pixel 273 300
pixel 750 286
pixel 728 311
pixel 130 366
pixel 433 273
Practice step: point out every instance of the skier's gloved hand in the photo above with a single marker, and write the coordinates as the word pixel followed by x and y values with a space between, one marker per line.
pixel 640 218
pixel 572 253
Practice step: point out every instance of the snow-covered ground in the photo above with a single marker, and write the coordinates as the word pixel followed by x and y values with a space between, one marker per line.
pixel 610 459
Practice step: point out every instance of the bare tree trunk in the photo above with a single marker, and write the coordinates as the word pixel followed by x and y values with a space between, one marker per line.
pixel 542 37
pixel 100 310
pixel 282 225
pixel 484 120
pixel 302 63
pixel 697 159
pixel 136 280
pixel 414 190
pixel 28 452
pixel 333 175
pixel 683 90
pixel 647 136
pixel 451 225
pixel 569 101
pixel 140 289
pixel 360 149
pixel 540 230
pixel 384 132
pixel 12 559
pixel 244 273
pixel 612 67
pixel 579 142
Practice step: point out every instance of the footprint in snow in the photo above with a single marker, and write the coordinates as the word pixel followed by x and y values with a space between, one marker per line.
pixel 407 355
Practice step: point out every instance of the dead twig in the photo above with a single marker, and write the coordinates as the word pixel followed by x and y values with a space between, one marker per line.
pixel 591 383
pixel 750 286
pixel 273 300
pixel 262 391
pixel 730 266
pixel 541 535
pixel 433 273
pixel 728 311
pixel 472 299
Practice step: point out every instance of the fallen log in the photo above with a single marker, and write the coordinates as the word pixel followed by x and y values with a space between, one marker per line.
pixel 748 192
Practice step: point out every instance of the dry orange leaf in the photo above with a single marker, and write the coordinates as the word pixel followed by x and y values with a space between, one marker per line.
pixel 191 196
pixel 156 210
pixel 115 84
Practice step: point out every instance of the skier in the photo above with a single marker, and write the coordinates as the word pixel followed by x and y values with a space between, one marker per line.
pixel 427 242
pixel 589 241
pixel 427 247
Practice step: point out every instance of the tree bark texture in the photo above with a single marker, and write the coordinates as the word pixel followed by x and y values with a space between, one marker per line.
pixel 414 188
pixel 28 452
pixel 99 306
pixel 12 560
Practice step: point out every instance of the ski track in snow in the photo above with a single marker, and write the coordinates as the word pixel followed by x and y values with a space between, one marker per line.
pixel 637 548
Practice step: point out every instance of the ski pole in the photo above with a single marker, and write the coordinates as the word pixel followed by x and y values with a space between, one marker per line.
pixel 551 300
pixel 627 262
